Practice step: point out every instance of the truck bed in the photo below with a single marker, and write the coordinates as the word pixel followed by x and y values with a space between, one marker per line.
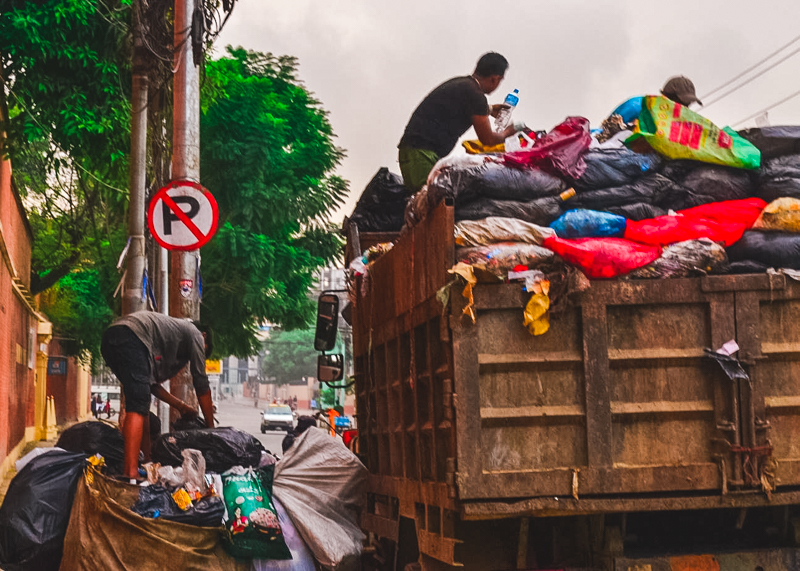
pixel 615 409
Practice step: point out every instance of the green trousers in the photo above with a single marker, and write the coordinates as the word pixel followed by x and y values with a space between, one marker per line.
pixel 415 165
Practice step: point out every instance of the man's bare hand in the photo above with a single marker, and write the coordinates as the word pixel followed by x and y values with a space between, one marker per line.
pixel 189 412
pixel 496 108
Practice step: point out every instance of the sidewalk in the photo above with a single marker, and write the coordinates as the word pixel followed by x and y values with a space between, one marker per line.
pixel 28 447
pixel 12 472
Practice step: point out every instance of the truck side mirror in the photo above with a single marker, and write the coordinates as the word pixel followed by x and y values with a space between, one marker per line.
pixel 330 368
pixel 327 322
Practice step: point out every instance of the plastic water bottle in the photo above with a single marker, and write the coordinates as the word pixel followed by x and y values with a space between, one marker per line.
pixel 503 118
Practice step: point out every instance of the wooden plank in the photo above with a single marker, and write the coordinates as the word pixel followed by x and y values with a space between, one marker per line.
pixel 562 506
pixel 654 353
pixel 381 526
pixel 599 436
pixel 438 547
pixel 778 348
pixel 782 402
pixel 624 408
pixel 743 282
pixel 522 412
pixel 466 399
pixel 612 480
pixel 513 358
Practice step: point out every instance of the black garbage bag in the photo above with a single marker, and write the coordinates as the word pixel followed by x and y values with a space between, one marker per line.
pixel 188 423
pixel 775 249
pixel 492 180
pixel 382 204
pixel 35 513
pixel 156 501
pixel 650 189
pixel 637 211
pixel 684 259
pixel 701 183
pixel 222 448
pixel 779 177
pixel 541 211
pixel 96 437
pixel 774 141
pixel 747 267
pixel 607 168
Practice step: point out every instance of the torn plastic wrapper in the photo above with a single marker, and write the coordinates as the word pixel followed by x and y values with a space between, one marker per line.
pixel 466 272
pixel 730 365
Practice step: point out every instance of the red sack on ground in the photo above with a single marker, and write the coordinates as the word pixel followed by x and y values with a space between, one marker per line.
pixel 560 152
pixel 603 257
pixel 723 222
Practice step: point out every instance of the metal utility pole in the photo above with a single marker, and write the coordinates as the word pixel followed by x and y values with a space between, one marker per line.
pixel 132 298
pixel 183 289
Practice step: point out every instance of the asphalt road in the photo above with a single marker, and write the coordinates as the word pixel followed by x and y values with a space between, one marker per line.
pixel 243 415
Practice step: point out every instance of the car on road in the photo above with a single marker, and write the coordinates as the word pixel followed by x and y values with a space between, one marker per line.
pixel 277 417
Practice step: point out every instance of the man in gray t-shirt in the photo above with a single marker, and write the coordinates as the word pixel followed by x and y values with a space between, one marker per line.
pixel 144 349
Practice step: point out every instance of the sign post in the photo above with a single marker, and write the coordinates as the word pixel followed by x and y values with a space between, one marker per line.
pixel 183 216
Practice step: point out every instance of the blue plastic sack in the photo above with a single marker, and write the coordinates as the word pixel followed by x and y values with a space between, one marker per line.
pixel 589 224
pixel 630 109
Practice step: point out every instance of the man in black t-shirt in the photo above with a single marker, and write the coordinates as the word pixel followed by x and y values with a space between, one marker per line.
pixel 446 114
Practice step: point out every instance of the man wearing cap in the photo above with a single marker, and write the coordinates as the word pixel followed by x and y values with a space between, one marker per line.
pixel 679 88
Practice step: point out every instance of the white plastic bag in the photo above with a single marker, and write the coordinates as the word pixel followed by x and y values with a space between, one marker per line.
pixel 499 229
pixel 321 484
pixel 302 559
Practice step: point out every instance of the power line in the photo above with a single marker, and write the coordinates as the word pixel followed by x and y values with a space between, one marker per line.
pixel 757 113
pixel 752 67
pixel 756 76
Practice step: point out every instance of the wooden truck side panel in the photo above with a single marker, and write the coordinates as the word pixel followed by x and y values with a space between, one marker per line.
pixel 615 409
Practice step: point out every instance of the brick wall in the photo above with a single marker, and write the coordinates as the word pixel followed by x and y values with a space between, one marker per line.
pixel 16 319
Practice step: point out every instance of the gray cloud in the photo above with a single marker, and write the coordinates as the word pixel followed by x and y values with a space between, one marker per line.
pixel 371 62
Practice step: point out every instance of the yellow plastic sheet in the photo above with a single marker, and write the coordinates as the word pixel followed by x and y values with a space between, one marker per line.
pixel 535 317
pixel 466 271
pixel 475 147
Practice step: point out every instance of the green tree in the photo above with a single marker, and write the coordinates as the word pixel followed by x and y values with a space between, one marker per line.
pixel 267 154
pixel 289 356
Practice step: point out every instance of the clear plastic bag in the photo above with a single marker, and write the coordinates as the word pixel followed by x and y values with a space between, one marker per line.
pixel 499 229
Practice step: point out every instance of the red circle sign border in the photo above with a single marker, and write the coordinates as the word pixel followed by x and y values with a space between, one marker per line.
pixel 164 191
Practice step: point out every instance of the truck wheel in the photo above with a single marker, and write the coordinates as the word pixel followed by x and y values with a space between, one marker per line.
pixel 263 430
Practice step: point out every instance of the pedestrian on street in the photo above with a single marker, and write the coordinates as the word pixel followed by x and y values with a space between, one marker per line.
pixel 107 407
pixel 144 349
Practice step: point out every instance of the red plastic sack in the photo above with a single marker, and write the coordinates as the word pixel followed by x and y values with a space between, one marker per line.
pixel 723 222
pixel 560 152
pixel 604 257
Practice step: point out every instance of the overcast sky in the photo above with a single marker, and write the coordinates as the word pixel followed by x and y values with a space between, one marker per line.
pixel 370 62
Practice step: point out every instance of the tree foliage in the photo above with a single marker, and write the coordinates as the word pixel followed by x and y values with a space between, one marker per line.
pixel 289 356
pixel 267 153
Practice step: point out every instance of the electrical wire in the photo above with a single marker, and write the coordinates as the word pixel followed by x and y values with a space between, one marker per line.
pixel 752 78
pixel 751 68
pixel 757 113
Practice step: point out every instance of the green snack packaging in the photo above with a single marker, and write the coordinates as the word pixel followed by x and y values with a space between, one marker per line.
pixel 252 525
pixel 677 132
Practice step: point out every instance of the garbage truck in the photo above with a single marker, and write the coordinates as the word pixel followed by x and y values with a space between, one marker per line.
pixel 618 440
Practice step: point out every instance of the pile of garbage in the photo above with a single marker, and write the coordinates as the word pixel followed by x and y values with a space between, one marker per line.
pixel 674 197
pixel 211 499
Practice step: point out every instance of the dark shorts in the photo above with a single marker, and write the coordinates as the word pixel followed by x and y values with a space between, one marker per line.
pixel 129 360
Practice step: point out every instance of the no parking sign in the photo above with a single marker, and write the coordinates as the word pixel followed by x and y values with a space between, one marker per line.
pixel 183 216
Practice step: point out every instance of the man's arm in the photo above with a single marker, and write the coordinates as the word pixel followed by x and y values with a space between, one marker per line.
pixel 488 136
pixel 163 394
pixel 207 406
